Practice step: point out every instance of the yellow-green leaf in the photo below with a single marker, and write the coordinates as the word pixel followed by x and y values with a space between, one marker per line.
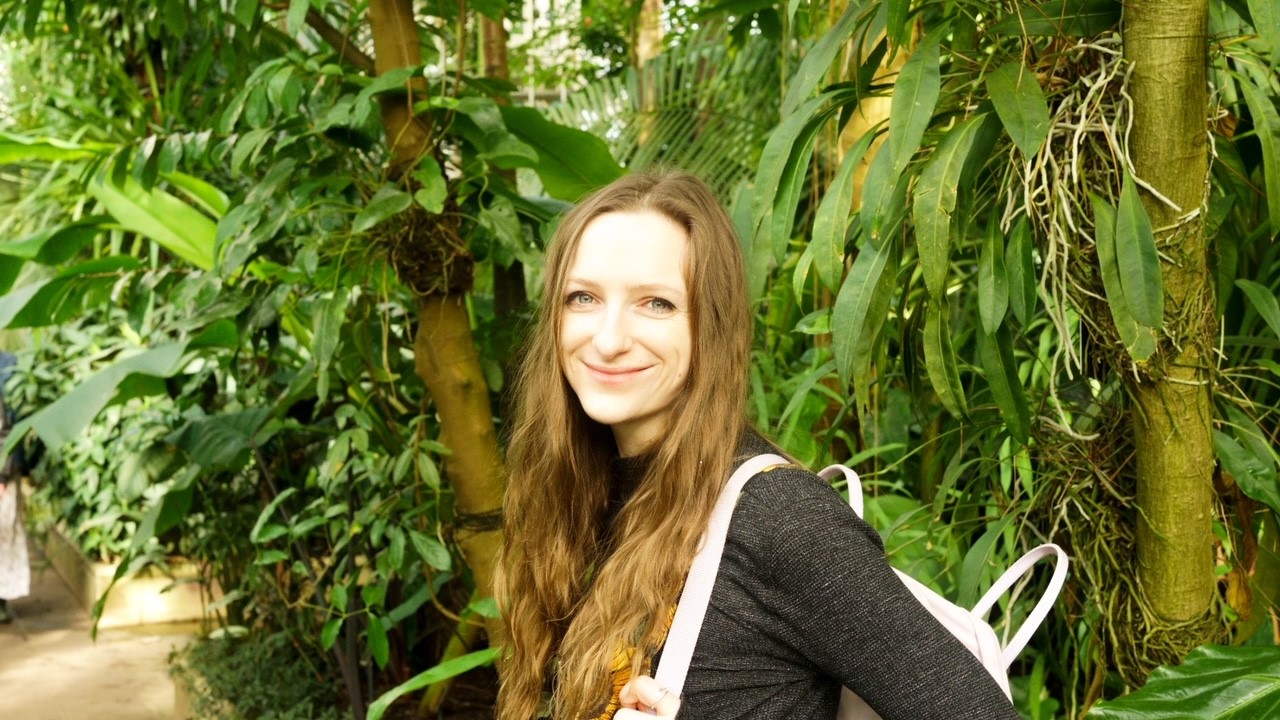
pixel 940 358
pixel 1136 258
pixel 935 202
pixel 1139 340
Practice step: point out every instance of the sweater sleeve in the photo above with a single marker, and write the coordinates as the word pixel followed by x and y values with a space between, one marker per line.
pixel 836 599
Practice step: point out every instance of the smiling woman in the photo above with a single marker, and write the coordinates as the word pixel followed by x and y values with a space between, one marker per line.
pixel 629 418
pixel 625 338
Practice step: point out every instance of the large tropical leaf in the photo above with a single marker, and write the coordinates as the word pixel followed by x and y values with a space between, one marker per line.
pixel 571 163
pixel 1213 683
pixel 158 216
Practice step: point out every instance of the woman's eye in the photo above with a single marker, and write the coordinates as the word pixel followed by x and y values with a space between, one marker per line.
pixel 661 305
pixel 579 298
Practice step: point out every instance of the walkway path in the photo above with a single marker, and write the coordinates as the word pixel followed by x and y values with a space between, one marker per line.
pixel 51 669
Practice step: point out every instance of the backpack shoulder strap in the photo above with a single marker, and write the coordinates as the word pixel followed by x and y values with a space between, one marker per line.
pixel 1011 576
pixel 677 652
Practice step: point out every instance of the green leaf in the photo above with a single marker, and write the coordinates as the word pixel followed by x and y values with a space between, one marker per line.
pixel 223 441
pixel 66 418
pixel 1266 22
pixel 1021 269
pixel 379 648
pixel 993 282
pixel 329 635
pixel 831 223
pixel 1266 122
pixel 977 560
pixel 385 203
pixel 432 551
pixel 22 148
pixel 884 198
pixel 915 94
pixel 443 671
pixel 571 163
pixel 158 216
pixel 813 70
pixel 1137 260
pixel 996 353
pixel 55 245
pixel 326 335
pixel 267 512
pixel 245 12
pixel 296 17
pixel 1255 477
pixel 1020 103
pixel 1139 340
pixel 935 202
pixel 852 316
pixel 434 188
pixel 212 200
pixel 1061 18
pixel 1213 683
pixel 1264 301
pixel 940 359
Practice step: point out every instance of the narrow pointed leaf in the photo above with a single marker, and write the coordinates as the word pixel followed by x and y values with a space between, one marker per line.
pixel 866 341
pixel 818 60
pixel 1266 120
pixel 443 671
pixel 1136 258
pixel 993 282
pixel 22 148
pixel 1138 339
pixel 996 353
pixel 851 316
pixel 1021 270
pixel 831 223
pixel 1264 301
pixel 1020 103
pixel 915 94
pixel 935 202
pixel 940 359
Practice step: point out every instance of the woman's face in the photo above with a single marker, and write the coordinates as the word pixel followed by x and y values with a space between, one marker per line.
pixel 625 337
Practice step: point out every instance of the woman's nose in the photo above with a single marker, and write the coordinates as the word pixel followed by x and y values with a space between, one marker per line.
pixel 613 334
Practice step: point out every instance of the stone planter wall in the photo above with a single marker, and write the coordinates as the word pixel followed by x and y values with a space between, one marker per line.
pixel 137 600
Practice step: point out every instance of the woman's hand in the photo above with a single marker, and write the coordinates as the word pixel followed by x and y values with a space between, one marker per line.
pixel 643 697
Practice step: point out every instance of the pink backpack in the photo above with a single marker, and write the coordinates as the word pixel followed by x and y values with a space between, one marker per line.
pixel 969 626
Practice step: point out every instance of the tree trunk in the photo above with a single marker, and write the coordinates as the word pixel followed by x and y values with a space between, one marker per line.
pixel 445 352
pixel 1172 414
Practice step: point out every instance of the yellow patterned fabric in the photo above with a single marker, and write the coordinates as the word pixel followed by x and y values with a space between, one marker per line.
pixel 621 671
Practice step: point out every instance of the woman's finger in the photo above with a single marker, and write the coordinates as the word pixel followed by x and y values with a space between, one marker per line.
pixel 644 695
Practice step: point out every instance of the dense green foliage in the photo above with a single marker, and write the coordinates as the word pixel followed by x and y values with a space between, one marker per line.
pixel 217 272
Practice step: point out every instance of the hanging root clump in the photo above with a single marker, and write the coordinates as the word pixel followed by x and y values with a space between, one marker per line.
pixel 1087 446
pixel 427 251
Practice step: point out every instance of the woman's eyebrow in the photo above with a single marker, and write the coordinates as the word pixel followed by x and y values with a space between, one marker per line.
pixel 588 284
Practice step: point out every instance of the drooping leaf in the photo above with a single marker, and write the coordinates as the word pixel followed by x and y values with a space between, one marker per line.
pixel 55 245
pixel 443 671
pixel 158 216
pixel 1255 476
pixel 1214 682
pixel 1020 267
pixel 1061 18
pixel 935 202
pixel 996 353
pixel 212 200
pixel 977 560
pixel 993 281
pixel 22 148
pixel 223 441
pixel 940 358
pixel 379 647
pixel 866 341
pixel 1137 259
pixel 813 70
pixel 831 223
pixel 432 551
pixel 388 201
pixel 325 337
pixel 571 163
pixel 851 316
pixel 1139 340
pixel 67 417
pixel 884 198
pixel 1266 121
pixel 915 94
pixel 1020 103
pixel 1264 301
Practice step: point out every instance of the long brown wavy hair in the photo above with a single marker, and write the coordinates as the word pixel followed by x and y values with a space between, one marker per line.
pixel 567 609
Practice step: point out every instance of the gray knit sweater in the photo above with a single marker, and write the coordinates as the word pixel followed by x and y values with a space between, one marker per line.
pixel 805 602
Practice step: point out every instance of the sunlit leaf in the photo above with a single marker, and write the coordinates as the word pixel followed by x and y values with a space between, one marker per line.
pixel 884 198
pixel 813 70
pixel 1266 121
pixel 443 671
pixel 915 94
pixel 158 216
pixel 571 163
pixel 934 203
pixel 831 223
pixel 385 203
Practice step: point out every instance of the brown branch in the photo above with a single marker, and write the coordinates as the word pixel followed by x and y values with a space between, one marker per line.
pixel 339 41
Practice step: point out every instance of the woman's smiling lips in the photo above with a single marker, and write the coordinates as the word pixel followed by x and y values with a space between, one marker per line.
pixel 612 375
